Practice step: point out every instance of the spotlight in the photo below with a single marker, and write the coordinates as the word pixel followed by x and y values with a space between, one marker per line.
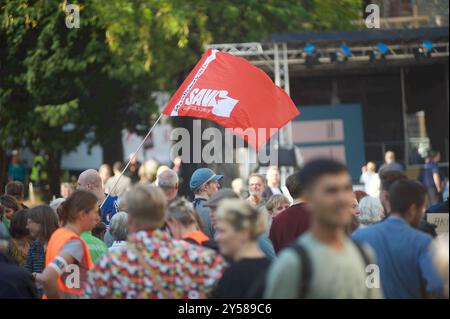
pixel 380 52
pixel 342 55
pixel 427 45
pixel 310 54
pixel 382 48
pixel 424 50
pixel 309 48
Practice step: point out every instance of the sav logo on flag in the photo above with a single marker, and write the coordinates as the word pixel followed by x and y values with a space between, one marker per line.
pixel 221 103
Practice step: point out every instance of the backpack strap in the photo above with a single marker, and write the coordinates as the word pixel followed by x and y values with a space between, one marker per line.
pixel 197 201
pixel 191 241
pixel 211 244
pixel 305 275
pixel 363 253
pixel 365 257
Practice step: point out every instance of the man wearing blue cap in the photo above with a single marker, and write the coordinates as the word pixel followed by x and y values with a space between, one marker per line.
pixel 204 183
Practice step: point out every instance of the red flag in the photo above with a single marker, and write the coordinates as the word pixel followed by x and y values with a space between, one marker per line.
pixel 232 92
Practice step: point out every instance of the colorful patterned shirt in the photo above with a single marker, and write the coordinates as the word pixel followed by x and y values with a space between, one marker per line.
pixel 154 265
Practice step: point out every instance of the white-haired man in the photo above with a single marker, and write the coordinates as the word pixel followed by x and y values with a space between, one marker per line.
pixel 168 182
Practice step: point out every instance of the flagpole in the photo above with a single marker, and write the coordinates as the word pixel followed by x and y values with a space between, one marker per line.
pixel 130 159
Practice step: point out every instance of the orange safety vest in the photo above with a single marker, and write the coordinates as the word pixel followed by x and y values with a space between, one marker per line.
pixel 57 241
pixel 198 236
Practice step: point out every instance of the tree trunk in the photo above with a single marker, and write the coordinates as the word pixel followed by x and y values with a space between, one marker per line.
pixel 3 172
pixel 113 147
pixel 229 170
pixel 54 172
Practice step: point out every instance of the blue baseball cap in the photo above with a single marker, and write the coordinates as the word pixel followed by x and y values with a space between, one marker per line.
pixel 201 176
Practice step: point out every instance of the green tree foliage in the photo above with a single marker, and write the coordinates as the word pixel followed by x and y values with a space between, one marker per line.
pixel 167 36
pixel 101 76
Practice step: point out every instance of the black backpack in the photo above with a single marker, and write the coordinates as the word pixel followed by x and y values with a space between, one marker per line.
pixel 211 244
pixel 305 262
pixel 197 201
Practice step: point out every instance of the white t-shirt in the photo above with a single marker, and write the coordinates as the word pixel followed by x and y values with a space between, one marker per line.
pixel 117 244
pixel 275 190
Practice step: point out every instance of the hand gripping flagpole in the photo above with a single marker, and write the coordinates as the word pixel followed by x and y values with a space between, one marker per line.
pixel 131 158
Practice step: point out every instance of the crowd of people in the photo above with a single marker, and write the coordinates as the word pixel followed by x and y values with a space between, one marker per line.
pixel 314 237
pixel 430 176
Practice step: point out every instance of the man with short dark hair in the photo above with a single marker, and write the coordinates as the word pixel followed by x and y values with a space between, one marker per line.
pixel 403 254
pixel 294 186
pixel 16 190
pixel 323 263
pixel 430 177
pixel 386 180
pixel 293 221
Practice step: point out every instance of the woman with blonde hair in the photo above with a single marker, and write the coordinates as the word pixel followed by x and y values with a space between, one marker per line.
pixel 184 224
pixel 238 227
pixel 276 204
pixel 19 244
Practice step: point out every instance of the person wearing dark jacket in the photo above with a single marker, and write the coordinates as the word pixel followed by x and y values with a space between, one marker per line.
pixel 273 182
pixel 439 208
pixel 293 221
pixel 204 183
pixel 239 224
pixel 15 282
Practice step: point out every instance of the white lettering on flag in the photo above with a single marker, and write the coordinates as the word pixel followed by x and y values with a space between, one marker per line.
pixel 221 103
pixel 202 69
